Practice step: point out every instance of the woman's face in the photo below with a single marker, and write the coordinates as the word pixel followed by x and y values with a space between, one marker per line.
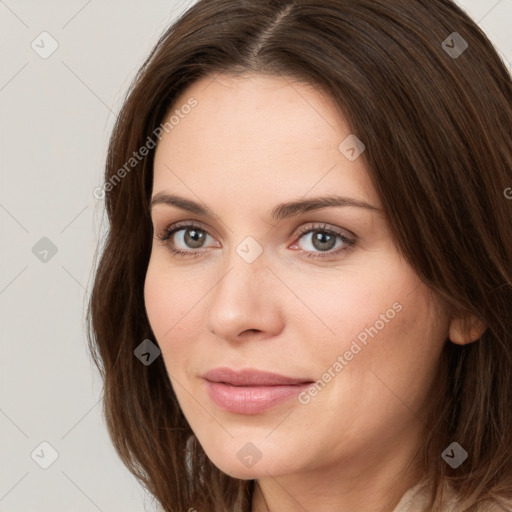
pixel 269 282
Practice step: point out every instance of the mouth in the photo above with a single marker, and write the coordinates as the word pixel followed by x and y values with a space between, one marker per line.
pixel 251 377
pixel 251 391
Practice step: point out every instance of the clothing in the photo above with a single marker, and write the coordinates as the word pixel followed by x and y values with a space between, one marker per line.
pixel 416 499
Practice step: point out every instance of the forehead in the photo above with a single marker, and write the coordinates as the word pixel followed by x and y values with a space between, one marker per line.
pixel 258 135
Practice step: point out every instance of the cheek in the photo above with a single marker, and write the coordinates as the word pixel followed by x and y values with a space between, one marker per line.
pixel 390 354
pixel 359 302
pixel 158 298
pixel 382 322
pixel 168 301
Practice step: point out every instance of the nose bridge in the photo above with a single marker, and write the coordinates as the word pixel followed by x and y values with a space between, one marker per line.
pixel 244 276
pixel 241 299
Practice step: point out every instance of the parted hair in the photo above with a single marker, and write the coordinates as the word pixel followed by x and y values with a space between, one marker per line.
pixel 436 119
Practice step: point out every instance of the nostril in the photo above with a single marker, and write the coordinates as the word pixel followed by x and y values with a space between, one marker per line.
pixel 247 331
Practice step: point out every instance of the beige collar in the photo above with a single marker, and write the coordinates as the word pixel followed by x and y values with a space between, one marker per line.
pixel 416 499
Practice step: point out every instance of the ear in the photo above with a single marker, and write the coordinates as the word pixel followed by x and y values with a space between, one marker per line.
pixel 466 330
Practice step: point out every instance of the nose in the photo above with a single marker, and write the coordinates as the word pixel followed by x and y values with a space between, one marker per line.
pixel 245 302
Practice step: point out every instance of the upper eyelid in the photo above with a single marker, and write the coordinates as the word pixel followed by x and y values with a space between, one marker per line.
pixel 297 232
pixel 175 226
pixel 319 226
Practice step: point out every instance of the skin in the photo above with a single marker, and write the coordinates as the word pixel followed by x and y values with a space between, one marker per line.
pixel 250 143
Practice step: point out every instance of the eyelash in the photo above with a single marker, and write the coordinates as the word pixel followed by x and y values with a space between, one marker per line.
pixel 171 230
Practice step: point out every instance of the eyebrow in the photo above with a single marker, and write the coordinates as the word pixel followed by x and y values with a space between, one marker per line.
pixel 281 211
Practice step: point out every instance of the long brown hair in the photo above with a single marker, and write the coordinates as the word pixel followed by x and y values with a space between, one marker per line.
pixel 436 118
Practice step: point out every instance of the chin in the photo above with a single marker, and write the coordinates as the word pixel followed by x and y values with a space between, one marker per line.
pixel 245 461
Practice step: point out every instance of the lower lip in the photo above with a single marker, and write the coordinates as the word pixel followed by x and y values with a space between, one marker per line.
pixel 251 399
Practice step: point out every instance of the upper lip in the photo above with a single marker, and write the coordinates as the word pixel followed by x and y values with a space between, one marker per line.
pixel 251 377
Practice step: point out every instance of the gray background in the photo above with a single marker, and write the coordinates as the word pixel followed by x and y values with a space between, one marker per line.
pixel 56 116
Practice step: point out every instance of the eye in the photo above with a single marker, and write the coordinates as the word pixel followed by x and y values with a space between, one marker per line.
pixel 324 242
pixel 185 236
pixel 189 240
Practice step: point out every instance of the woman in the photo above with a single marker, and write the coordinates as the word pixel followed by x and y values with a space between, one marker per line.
pixel 304 299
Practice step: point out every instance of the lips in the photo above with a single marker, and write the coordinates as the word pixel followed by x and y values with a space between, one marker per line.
pixel 251 391
pixel 251 377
